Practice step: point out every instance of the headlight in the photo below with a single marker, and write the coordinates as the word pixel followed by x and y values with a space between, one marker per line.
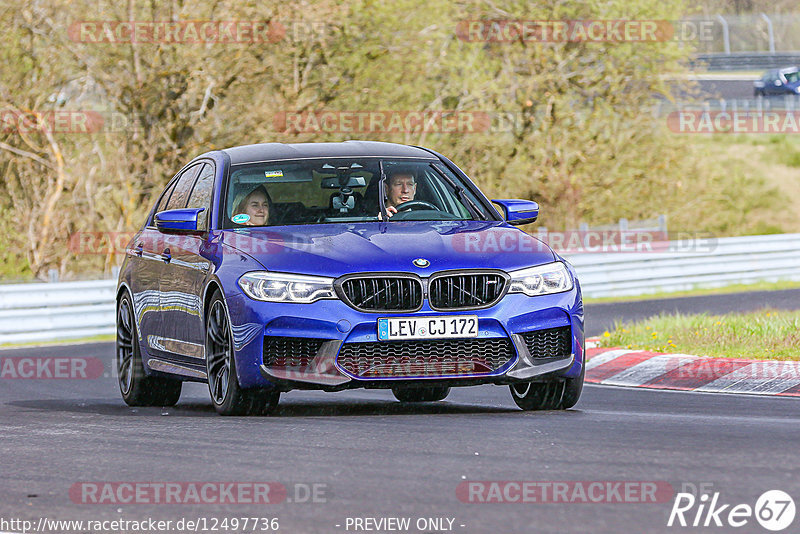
pixel 279 287
pixel 541 280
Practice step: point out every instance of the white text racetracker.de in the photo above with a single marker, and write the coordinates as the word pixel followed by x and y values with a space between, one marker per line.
pixel 399 524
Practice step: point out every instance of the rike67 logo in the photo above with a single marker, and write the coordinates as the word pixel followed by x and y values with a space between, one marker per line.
pixel 774 510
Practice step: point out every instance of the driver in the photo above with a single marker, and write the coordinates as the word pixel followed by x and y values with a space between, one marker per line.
pixel 401 186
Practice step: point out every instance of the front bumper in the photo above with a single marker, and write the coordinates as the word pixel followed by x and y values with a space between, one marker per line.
pixel 335 324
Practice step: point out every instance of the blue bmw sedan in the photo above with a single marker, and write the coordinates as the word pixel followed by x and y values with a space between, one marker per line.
pixel 266 268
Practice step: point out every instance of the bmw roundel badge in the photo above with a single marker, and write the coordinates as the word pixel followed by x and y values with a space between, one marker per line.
pixel 421 262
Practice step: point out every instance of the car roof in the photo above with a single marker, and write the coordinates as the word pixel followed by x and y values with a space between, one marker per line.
pixel 281 151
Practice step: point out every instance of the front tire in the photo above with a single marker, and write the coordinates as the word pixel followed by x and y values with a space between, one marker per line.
pixel 136 387
pixel 573 387
pixel 430 394
pixel 227 395
pixel 557 395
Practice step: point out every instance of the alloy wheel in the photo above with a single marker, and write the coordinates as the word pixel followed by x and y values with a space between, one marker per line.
pixel 218 346
pixel 125 356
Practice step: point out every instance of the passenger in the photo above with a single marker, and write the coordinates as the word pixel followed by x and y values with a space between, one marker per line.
pixel 256 204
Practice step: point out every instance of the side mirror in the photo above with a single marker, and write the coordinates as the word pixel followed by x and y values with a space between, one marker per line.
pixel 178 221
pixel 778 83
pixel 519 212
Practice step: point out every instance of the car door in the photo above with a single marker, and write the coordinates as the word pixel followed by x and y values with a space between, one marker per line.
pixel 774 86
pixel 146 272
pixel 179 305
pixel 170 297
pixel 184 277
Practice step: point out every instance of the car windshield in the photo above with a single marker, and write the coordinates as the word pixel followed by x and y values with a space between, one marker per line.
pixel 792 76
pixel 335 190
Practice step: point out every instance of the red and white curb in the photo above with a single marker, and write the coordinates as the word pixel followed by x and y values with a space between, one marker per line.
pixel 686 372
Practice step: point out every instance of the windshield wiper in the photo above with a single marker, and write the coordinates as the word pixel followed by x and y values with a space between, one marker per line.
pixel 473 209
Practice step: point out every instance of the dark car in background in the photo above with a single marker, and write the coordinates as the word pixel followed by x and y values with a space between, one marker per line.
pixel 777 82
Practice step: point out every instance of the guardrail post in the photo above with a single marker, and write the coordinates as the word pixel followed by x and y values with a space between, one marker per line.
pixel 583 230
pixel 623 225
pixel 726 36
pixel 52 275
pixel 770 33
pixel 662 224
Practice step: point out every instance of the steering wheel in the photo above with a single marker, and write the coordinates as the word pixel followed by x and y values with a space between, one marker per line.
pixel 415 204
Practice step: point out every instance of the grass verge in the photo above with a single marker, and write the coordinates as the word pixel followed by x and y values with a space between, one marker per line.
pixel 766 335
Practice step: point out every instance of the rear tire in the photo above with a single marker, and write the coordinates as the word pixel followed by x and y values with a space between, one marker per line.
pixel 137 388
pixel 227 395
pixel 559 395
pixel 430 394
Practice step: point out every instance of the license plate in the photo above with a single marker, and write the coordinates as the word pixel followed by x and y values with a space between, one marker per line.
pixel 443 326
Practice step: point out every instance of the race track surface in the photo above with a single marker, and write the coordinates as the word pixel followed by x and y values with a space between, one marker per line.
pixel 374 457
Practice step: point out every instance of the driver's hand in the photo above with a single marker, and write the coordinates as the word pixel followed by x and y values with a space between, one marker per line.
pixel 390 210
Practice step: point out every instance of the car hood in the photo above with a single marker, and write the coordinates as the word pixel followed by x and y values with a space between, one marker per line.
pixel 337 249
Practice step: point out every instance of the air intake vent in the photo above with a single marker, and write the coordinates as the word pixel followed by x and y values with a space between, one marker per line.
pixel 549 343
pixel 441 357
pixel 290 351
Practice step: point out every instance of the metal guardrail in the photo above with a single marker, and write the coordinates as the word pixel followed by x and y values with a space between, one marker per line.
pixel 760 104
pixel 730 260
pixel 746 61
pixel 63 310
pixel 60 310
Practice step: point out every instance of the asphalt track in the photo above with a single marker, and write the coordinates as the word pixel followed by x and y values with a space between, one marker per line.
pixel 378 458
pixel 727 89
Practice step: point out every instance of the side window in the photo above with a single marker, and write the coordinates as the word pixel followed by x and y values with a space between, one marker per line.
pixel 182 189
pixel 201 195
pixel 162 203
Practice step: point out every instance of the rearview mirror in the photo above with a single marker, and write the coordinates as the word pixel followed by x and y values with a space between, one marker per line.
pixel 518 212
pixel 178 221
pixel 335 183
